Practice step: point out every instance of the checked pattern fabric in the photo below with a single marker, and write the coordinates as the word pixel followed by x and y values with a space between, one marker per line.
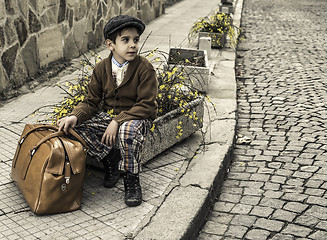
pixel 130 139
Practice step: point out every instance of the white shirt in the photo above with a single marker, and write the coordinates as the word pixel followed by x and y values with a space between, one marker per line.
pixel 119 70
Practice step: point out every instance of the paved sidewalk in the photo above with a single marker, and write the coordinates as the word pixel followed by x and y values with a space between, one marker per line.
pixel 178 185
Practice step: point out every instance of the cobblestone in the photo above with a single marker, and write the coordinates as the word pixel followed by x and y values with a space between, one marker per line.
pixel 257 234
pixel 295 207
pixel 281 94
pixel 283 215
pixel 296 230
pixel 270 225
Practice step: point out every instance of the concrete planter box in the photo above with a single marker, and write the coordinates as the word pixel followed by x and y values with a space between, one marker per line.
pixel 197 73
pixel 226 8
pixel 165 131
pixel 218 40
pixel 227 2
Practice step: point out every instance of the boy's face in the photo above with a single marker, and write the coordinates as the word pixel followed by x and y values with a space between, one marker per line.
pixel 126 46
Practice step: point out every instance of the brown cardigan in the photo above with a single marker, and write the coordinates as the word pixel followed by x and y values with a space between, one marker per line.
pixel 135 98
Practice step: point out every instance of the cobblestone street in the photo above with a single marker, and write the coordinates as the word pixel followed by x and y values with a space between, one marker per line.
pixel 276 187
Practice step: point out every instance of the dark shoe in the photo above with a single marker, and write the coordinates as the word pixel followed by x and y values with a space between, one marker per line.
pixel 110 164
pixel 133 192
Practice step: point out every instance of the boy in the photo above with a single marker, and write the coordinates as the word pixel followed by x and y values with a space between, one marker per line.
pixel 127 85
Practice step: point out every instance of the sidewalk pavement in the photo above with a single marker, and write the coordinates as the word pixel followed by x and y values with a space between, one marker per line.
pixel 178 185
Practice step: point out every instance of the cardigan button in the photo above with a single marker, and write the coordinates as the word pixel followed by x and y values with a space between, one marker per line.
pixel 117 98
pixel 116 91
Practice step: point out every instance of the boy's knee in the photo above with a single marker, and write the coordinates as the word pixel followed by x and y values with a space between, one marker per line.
pixel 130 131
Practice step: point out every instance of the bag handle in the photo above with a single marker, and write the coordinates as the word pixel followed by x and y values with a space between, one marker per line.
pixel 71 131
pixel 43 140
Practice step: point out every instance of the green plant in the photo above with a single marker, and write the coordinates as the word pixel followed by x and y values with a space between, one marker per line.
pixel 217 22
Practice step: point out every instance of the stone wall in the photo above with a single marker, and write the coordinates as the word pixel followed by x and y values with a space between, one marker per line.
pixel 36 33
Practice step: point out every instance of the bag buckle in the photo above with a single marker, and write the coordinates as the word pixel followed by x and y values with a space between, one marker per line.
pixel 67 172
pixel 67 180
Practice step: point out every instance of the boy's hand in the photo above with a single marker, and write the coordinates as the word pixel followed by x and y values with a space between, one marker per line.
pixel 109 136
pixel 66 123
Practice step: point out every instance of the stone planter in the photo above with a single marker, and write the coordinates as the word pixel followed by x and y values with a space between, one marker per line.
pixel 197 72
pixel 218 40
pixel 227 1
pixel 165 131
pixel 226 8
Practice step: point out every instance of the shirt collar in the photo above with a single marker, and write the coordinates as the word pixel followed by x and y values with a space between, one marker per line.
pixel 117 63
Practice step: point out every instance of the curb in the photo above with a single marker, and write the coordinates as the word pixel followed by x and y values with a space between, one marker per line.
pixel 184 210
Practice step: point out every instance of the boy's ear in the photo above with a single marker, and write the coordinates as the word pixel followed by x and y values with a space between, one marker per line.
pixel 109 44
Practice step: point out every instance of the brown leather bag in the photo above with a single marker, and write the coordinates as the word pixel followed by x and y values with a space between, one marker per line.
pixel 49 168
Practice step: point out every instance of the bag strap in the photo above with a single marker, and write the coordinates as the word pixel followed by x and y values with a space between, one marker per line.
pixel 47 127
pixel 43 140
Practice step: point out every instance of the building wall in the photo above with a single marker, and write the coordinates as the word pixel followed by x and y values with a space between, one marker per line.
pixel 36 33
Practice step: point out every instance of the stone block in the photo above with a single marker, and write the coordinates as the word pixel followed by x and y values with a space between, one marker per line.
pixel 70 18
pixel 104 10
pixel 146 13
pixel 91 7
pixel 21 30
pixel 65 29
pixel 11 8
pixel 8 58
pixel 90 4
pixel 130 11
pixel 80 10
pixel 99 33
pixel 71 3
pixel 80 33
pixel 49 17
pixel 2 38
pixel 34 4
pixel 30 56
pixel 62 11
pixel 11 34
pixel 4 81
pixel 34 23
pixel 50 45
pixel 44 5
pixel 70 48
pixel 23 7
pixel 128 4
pixel 2 10
pixel 91 43
pixel 99 12
pixel 19 73
pixel 115 9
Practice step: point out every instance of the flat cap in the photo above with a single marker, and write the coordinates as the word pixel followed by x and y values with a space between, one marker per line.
pixel 122 21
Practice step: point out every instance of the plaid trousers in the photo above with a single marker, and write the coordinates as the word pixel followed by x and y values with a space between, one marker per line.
pixel 129 140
